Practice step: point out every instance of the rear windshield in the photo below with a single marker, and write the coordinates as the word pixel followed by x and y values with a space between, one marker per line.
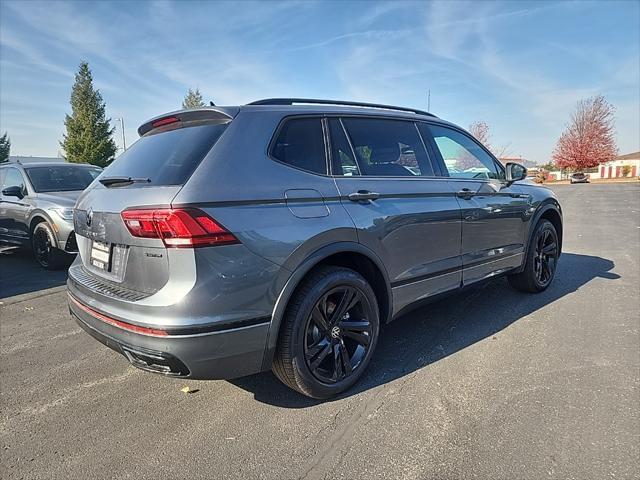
pixel 62 178
pixel 167 158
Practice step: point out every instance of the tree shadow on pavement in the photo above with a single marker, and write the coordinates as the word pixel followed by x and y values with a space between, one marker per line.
pixel 444 327
pixel 20 273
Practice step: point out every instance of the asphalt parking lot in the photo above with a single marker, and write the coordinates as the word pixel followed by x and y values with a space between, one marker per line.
pixel 490 383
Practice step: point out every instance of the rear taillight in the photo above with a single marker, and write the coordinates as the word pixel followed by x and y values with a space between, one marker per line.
pixel 177 227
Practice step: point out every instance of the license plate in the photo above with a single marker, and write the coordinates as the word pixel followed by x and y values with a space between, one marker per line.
pixel 101 255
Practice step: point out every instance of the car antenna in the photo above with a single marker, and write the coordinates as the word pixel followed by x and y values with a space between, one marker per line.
pixel 211 104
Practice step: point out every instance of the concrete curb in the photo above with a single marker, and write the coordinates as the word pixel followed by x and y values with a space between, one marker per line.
pixel 31 295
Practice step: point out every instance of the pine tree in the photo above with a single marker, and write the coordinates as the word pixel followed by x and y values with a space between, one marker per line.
pixel 89 137
pixel 5 147
pixel 193 99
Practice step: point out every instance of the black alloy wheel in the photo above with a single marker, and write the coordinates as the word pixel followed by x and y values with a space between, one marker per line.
pixel 42 246
pixel 45 249
pixel 329 332
pixel 541 262
pixel 546 257
pixel 338 334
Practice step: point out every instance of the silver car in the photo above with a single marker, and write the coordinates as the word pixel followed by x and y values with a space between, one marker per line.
pixel 284 233
pixel 36 208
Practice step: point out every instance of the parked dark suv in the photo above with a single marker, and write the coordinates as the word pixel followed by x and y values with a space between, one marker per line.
pixel 282 234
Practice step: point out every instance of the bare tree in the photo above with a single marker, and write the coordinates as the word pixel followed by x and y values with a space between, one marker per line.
pixel 502 151
pixel 480 130
pixel 589 137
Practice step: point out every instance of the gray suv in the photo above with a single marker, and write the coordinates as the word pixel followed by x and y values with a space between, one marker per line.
pixel 284 233
pixel 36 208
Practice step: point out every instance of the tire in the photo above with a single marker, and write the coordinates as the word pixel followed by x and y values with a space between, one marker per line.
pixel 322 352
pixel 45 250
pixel 541 262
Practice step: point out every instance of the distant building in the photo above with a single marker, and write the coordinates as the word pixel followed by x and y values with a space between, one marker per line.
pixel 622 166
pixel 30 159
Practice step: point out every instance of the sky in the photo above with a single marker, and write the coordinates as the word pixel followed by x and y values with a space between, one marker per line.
pixel 518 66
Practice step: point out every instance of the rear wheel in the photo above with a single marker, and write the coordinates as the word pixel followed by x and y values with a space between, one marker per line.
pixel 541 261
pixel 329 333
pixel 44 246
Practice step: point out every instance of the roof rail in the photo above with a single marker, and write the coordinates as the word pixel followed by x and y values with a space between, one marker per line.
pixel 314 101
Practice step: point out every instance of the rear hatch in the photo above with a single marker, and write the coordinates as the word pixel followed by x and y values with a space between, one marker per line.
pixel 123 221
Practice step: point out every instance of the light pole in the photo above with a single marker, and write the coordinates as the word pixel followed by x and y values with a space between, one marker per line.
pixel 124 142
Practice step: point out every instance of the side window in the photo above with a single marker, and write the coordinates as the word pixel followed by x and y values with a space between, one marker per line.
pixel 388 148
pixel 300 143
pixel 13 178
pixel 341 154
pixel 462 156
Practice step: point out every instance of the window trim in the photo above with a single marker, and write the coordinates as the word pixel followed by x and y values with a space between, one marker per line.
pixel 326 120
pixel 325 140
pixel 443 166
pixel 434 167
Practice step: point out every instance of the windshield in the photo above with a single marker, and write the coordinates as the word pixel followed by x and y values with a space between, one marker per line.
pixel 166 158
pixel 63 178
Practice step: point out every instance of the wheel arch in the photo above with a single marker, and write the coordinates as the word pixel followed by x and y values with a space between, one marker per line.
pixel 345 254
pixel 36 219
pixel 548 211
pixel 554 216
pixel 39 216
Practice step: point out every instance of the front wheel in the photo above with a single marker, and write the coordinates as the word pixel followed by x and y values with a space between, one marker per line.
pixel 329 333
pixel 541 262
pixel 45 250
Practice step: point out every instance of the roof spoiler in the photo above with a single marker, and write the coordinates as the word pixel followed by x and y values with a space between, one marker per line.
pixel 218 114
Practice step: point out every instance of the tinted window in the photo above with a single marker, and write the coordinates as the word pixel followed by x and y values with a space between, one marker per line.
pixel 300 143
pixel 341 153
pixel 61 178
pixel 13 178
pixel 462 156
pixel 388 147
pixel 167 158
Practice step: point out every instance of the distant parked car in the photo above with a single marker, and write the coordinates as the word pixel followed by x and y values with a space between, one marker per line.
pixel 36 208
pixel 579 177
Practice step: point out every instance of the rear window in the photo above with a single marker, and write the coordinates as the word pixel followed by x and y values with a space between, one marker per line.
pixel 300 143
pixel 169 157
pixel 388 148
pixel 62 178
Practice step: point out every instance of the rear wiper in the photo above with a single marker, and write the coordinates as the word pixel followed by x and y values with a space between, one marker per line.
pixel 122 181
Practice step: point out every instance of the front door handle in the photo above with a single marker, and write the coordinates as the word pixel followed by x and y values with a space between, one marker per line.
pixel 465 193
pixel 363 196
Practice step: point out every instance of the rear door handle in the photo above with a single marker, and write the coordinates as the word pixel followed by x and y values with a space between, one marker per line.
pixel 363 196
pixel 465 193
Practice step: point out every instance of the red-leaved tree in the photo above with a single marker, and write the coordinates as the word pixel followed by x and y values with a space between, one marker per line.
pixel 589 138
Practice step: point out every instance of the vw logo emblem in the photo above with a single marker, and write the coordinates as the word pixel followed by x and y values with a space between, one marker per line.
pixel 89 217
pixel 335 332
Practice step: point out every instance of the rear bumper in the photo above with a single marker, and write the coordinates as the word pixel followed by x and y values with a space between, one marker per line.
pixel 223 354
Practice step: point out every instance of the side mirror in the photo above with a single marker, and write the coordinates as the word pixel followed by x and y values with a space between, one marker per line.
pixel 14 191
pixel 515 172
